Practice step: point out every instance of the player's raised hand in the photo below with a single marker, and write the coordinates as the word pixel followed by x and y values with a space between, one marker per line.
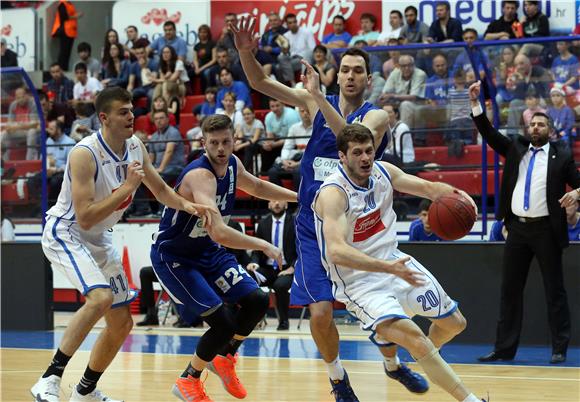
pixel 311 79
pixel 474 91
pixel 400 268
pixel 206 212
pixel 244 36
pixel 274 253
pixel 135 175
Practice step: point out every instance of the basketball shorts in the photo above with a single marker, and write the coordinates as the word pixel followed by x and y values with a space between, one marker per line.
pixel 311 283
pixel 383 297
pixel 88 261
pixel 202 286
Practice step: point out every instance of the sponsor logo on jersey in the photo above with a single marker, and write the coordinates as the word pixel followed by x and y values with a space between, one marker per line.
pixel 367 226
pixel 133 147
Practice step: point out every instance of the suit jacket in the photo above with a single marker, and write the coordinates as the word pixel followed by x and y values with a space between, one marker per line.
pixel 264 231
pixel 561 171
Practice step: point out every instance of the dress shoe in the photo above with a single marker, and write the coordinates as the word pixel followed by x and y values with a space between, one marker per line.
pixel 148 320
pixel 558 358
pixel 283 326
pixel 494 357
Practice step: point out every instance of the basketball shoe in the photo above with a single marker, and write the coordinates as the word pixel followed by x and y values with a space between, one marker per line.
pixel 224 368
pixel 46 389
pixel 95 396
pixel 342 390
pixel 414 382
pixel 190 389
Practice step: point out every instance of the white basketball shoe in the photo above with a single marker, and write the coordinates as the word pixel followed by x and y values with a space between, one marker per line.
pixel 46 389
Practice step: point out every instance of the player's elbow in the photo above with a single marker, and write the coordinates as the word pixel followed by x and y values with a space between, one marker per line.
pixel 217 234
pixel 334 254
pixel 84 223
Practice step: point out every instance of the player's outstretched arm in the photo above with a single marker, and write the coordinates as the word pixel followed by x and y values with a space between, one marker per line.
pixel 246 41
pixel 166 195
pixel 82 170
pixel 262 189
pixel 330 206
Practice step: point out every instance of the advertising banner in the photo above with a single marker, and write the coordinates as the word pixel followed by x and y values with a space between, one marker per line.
pixel 19 30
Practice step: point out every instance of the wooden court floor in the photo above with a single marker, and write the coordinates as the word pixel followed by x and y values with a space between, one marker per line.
pixel 149 377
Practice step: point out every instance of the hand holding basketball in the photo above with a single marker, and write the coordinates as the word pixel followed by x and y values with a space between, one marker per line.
pixel 452 216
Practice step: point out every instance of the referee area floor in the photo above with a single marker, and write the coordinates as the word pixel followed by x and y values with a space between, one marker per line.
pixel 278 366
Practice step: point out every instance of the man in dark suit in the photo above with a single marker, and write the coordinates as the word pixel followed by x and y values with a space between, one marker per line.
pixel 278 229
pixel 533 194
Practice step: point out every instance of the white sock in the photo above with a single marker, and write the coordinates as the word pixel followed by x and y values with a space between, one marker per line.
pixel 471 398
pixel 392 363
pixel 335 369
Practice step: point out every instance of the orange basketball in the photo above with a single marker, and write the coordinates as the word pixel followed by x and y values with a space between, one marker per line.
pixel 451 216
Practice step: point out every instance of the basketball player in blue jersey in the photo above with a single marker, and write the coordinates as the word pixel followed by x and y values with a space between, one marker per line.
pixel 311 285
pixel 192 264
pixel 103 173
pixel 381 286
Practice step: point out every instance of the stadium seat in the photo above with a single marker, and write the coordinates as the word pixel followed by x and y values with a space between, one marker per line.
pixel 187 122
pixel 261 114
pixel 191 101
pixel 471 155
pixel 22 167
pixel 466 180
pixel 141 102
pixel 141 123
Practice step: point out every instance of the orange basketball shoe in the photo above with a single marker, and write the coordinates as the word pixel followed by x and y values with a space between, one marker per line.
pixel 224 368
pixel 190 389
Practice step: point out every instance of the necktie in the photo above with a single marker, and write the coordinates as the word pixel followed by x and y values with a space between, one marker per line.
pixel 529 178
pixel 276 241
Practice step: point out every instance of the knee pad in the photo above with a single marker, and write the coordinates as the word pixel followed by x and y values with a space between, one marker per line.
pixel 253 308
pixel 222 327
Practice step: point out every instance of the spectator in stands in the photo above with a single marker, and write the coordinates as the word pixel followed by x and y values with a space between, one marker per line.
pixel 147 277
pixel 142 75
pixel 395 27
pixel 86 87
pixel 56 111
pixel 393 60
pixel 463 60
pixel 436 89
pixel 59 85
pixel 167 157
pixel 209 106
pixel 405 86
pixel 65 28
pixel 498 231
pixel 533 106
pixel 237 87
pixel 93 65
pixel 367 33
pixel 132 37
pixel 270 42
pixel 224 60
pixel 339 38
pixel 248 133
pixel 58 147
pixel 278 122
pixel 171 39
pixel 375 64
pixel 325 69
pixel 171 68
pixel 503 27
pixel 415 31
pixel 300 43
pixel 278 229
pixel 400 148
pixel 204 55
pixel 22 126
pixel 503 73
pixel 445 28
pixel 573 220
pixel 228 108
pixel 116 68
pixel 226 39
pixel 460 124
pixel 171 95
pixel 111 38
pixel 8 57
pixel 562 115
pixel 565 66
pixel 420 229
pixel 536 24
pixel 86 122
pixel 159 103
pixel 288 165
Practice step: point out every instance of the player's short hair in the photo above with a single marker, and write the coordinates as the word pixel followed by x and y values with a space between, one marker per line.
pixel 354 51
pixel 107 96
pixel 216 122
pixel 356 133
pixel 424 205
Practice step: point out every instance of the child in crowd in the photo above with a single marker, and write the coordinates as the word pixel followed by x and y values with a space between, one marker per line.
pixel 171 96
pixel 209 106
pixel 562 115
pixel 247 134
pixel 229 105
pixel 460 123
pixel 159 103
pixel 565 66
pixel 533 106
pixel 420 229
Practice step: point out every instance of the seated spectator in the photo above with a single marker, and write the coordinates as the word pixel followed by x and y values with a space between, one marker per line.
pixel 339 38
pixel 420 229
pixel 463 60
pixel 209 106
pixel 239 88
pixel 573 220
pixel 503 73
pixel 503 27
pixel 533 106
pixel 224 60
pixel 226 39
pixel 270 42
pixel 86 121
pixel 115 68
pixel 400 148
pixel 565 66
pixel 171 68
pixel 415 31
pixel 367 33
pixel 300 45
pixel 8 57
pixel 111 38
pixel 535 25
pixel 131 44
pixel 562 115
pixel 170 39
pixel 56 111
pixel 405 86
pixel 142 75
pixel 444 28
pixel 288 165
pixel 247 135
pixel 395 27
pixel 167 157
pixel 326 70
pixel 204 55
pixel 60 86
pixel 276 228
pixel 436 90
pixel 171 95
pixel 159 103
pixel 460 122
pixel 278 122
pixel 22 128
pixel 393 60
pixel 498 231
pixel 58 147
pixel 229 109
pixel 86 87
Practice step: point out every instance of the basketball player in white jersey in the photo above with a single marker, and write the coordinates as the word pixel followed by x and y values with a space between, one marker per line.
pixel 311 286
pixel 381 286
pixel 102 174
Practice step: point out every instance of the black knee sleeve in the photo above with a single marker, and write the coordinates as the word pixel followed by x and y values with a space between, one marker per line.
pixel 253 308
pixel 222 327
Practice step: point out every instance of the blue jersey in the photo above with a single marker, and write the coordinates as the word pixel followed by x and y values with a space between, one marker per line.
pixel 181 234
pixel 574 232
pixel 320 158
pixel 417 232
